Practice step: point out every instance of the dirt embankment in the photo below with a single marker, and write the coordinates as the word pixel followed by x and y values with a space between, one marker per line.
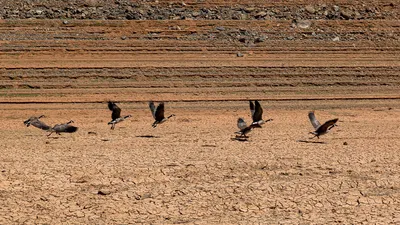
pixel 297 57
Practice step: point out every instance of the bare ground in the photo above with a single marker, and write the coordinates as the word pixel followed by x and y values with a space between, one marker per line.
pixel 189 170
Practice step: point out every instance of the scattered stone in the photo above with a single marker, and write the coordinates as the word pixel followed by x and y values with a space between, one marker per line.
pixel 239 54
pixel 242 16
pixel 346 14
pixel 65 22
pixel 249 9
pixel 260 39
pixel 79 214
pixel 220 28
pixel 196 14
pixel 289 38
pixel 104 192
pixel 261 14
pixel 357 15
pixel 310 9
pixel 123 38
pixel 146 195
pixel 336 39
pixel 345 143
pixel 336 8
pixel 303 24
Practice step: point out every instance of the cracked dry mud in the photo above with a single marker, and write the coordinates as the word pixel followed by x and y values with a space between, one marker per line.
pixel 189 170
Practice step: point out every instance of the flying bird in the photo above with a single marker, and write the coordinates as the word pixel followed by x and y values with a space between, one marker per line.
pixel 115 115
pixel 244 129
pixel 158 114
pixel 321 129
pixel 63 128
pixel 35 121
pixel 256 114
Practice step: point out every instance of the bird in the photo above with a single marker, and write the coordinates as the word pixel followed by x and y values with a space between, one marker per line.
pixel 63 128
pixel 115 115
pixel 32 118
pixel 35 121
pixel 256 114
pixel 158 114
pixel 320 129
pixel 244 129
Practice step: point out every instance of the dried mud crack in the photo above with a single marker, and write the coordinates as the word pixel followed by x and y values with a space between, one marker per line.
pixel 205 59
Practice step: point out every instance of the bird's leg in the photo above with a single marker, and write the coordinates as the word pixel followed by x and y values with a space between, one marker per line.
pixel 113 126
pixel 50 134
pixel 314 135
pixel 334 125
pixel 154 125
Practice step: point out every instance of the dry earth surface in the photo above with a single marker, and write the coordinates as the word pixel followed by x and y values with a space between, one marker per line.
pixel 205 59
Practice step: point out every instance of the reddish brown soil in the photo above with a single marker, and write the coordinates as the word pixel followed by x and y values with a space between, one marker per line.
pixel 189 170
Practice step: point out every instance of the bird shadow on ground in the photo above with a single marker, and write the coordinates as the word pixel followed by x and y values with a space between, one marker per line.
pixel 312 142
pixel 147 136
pixel 211 146
pixel 53 137
pixel 240 139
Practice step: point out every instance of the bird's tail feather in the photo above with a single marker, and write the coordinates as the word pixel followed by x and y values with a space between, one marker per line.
pixel 71 129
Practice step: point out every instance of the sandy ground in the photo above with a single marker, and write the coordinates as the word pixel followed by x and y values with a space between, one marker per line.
pixel 189 170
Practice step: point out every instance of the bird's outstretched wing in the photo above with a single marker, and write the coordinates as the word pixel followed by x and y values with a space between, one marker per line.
pixel 241 124
pixel 116 111
pixel 159 115
pixel 39 124
pixel 152 109
pixel 32 118
pixel 314 120
pixel 328 124
pixel 252 109
pixel 257 116
pixel 67 128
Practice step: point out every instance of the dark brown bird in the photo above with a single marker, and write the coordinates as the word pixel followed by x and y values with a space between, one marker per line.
pixel 115 115
pixel 256 114
pixel 244 129
pixel 158 114
pixel 321 129
pixel 63 128
pixel 35 121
